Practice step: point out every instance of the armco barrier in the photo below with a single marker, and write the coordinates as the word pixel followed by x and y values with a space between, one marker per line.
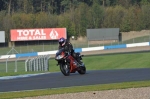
pixel 138 44
pixel 26 54
pixel 54 52
pixel 92 49
pixel 47 52
pixel 77 50
pixel 7 56
pixel 115 46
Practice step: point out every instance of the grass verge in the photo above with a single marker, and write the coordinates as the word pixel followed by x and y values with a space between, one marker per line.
pixel 99 87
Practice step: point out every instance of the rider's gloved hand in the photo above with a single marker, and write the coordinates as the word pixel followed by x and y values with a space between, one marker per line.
pixel 66 53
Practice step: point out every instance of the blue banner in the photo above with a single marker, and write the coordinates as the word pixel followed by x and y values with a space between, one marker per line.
pixel 27 54
pixel 78 50
pixel 115 46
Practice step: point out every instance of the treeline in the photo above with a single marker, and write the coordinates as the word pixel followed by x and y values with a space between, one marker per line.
pixel 75 15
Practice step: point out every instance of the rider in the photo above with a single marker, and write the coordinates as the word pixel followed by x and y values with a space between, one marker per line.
pixel 64 43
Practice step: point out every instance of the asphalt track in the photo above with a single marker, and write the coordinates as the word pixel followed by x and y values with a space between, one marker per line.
pixel 58 80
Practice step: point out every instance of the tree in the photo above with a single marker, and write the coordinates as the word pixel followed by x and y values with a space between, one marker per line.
pixel 81 19
pixel 97 13
pixel 144 17
pixel 2 5
pixel 114 16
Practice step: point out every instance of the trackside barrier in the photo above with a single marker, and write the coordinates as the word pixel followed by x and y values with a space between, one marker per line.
pixel 78 50
pixel 6 56
pixel 32 54
pixel 39 63
pixel 138 44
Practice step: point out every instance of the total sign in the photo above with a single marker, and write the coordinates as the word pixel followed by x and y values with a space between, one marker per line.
pixel 37 34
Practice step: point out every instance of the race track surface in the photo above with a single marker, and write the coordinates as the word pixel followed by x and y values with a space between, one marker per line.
pixel 58 80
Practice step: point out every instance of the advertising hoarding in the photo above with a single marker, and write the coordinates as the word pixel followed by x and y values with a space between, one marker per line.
pixel 103 34
pixel 37 34
pixel 2 36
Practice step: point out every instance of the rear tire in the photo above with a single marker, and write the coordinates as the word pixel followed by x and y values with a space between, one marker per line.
pixel 65 69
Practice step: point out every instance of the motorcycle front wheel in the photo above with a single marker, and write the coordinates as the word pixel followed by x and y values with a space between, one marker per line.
pixel 65 69
pixel 82 70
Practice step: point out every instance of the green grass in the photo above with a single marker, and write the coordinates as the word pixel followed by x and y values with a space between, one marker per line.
pixel 11 67
pixel 99 87
pixel 116 61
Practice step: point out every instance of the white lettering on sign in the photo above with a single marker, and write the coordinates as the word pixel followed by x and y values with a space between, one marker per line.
pixel 30 38
pixel 39 37
pixel 32 32
pixel 22 38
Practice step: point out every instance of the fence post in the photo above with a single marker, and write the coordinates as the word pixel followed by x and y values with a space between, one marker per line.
pixel 45 62
pixel 26 62
pixel 6 64
pixel 16 64
pixel 48 57
pixel 41 62
pixel 30 65
pixel 35 61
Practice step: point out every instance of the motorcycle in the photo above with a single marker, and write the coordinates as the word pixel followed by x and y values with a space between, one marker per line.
pixel 68 64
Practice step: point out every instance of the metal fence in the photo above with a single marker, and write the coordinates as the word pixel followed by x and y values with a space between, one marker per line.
pixel 12 66
pixel 39 63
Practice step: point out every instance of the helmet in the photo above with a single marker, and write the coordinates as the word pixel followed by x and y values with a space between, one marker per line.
pixel 62 41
